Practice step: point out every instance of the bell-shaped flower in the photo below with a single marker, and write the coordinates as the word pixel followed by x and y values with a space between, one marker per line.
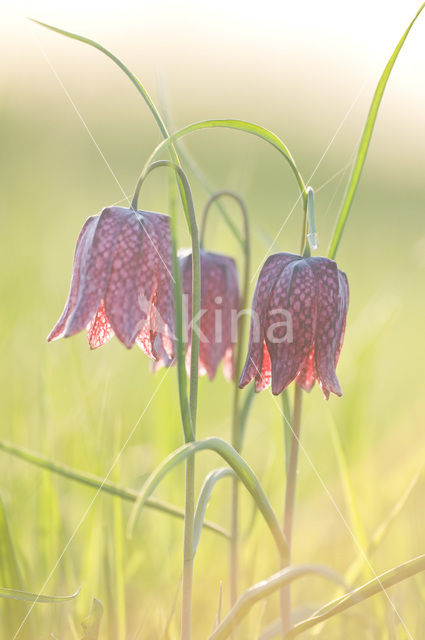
pixel 297 324
pixel 219 311
pixel 122 283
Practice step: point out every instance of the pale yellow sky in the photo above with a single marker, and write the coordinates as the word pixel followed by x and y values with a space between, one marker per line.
pixel 254 53
pixel 352 31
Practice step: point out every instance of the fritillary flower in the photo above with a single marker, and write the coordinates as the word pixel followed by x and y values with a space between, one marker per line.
pixel 219 309
pixel 297 325
pixel 122 283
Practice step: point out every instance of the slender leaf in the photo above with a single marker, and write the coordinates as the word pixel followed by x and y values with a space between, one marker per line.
pixel 10 572
pixel 219 607
pixel 140 88
pixel 371 588
pixel 91 624
pixel 12 613
pixel 355 518
pixel 263 590
pixel 381 531
pixel 204 496
pixel 97 482
pixel 26 596
pixel 364 143
pixel 240 467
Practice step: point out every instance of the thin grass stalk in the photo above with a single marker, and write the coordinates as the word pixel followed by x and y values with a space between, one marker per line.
pixel 242 326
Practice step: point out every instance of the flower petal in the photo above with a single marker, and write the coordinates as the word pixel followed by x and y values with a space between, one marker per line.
pixel 132 278
pixel 269 273
pixel 83 245
pixel 264 376
pixel 290 324
pixel 343 307
pixel 307 375
pixel 228 364
pixel 99 331
pixel 164 301
pixel 144 340
pixel 95 264
pixel 219 306
pixel 328 327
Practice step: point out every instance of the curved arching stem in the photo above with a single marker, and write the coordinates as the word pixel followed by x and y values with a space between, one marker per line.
pixel 246 127
pixel 188 406
pixel 242 325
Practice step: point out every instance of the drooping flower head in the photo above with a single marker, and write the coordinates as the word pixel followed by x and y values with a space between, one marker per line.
pixel 297 325
pixel 219 308
pixel 122 283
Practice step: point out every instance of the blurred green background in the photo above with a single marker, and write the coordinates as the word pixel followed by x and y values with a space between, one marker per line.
pixel 306 74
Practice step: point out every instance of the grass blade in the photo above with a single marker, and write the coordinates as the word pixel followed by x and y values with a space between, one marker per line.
pixel 11 613
pixel 91 625
pixel 96 482
pixel 204 496
pixel 27 596
pixel 355 568
pixel 355 518
pixel 239 466
pixel 371 588
pixel 9 569
pixel 264 589
pixel 136 82
pixel 118 561
pixel 364 143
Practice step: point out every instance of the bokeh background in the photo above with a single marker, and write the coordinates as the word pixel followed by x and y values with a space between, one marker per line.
pixel 307 71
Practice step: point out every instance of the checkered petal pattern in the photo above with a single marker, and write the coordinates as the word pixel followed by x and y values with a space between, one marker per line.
pixel 219 308
pixel 122 283
pixel 298 323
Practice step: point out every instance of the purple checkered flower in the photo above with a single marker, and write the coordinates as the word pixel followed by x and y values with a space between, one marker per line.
pixel 219 308
pixel 297 325
pixel 122 283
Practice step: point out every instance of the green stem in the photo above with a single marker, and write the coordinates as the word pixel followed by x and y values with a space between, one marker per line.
pixel 188 406
pixel 189 510
pixel 99 483
pixel 236 462
pixel 292 467
pixel 239 125
pixel 288 516
pixel 236 439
